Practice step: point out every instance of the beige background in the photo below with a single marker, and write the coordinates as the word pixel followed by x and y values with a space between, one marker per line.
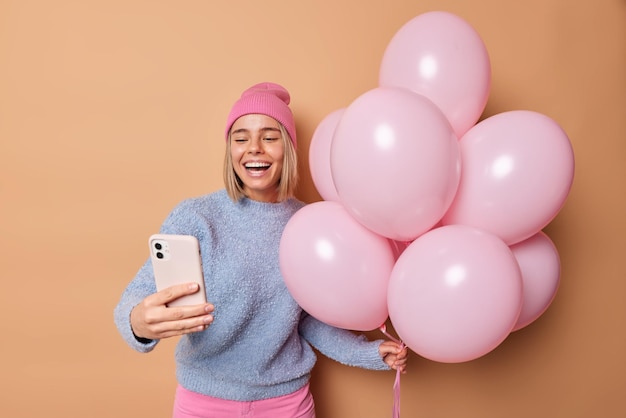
pixel 111 112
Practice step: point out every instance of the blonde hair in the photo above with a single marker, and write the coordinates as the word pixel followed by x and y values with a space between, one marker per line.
pixel 288 177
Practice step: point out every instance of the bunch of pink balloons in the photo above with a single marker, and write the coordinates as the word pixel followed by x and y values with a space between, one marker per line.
pixel 431 218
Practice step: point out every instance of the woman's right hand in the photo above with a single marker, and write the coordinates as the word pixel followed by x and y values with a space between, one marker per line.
pixel 152 319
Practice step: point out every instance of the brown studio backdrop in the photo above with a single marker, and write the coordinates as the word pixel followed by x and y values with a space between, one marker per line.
pixel 112 112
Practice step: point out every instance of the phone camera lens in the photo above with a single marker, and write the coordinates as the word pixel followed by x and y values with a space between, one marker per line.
pixel 159 255
pixel 158 246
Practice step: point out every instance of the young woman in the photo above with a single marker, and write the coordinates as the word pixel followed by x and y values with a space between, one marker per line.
pixel 249 351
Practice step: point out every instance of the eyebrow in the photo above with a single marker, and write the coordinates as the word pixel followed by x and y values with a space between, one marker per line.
pixel 266 129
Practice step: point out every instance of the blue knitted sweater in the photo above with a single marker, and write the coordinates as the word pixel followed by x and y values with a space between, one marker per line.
pixel 259 344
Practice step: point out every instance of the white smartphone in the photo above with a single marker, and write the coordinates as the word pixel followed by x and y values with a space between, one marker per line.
pixel 176 259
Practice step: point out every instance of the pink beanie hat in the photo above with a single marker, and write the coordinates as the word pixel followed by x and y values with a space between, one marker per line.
pixel 265 99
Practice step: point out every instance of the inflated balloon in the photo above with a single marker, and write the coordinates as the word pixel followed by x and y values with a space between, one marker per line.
pixel 455 294
pixel 440 56
pixel 540 264
pixel 395 162
pixel 517 171
pixel 319 156
pixel 335 268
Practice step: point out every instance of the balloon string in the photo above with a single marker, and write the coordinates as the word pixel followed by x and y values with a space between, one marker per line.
pixel 396 383
pixel 396 396
pixel 383 329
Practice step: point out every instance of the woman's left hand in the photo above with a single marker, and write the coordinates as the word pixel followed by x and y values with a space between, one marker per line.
pixel 395 355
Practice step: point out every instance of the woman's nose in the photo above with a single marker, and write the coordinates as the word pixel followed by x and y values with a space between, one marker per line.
pixel 255 146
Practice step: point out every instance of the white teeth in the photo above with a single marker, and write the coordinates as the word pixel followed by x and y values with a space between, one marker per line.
pixel 257 165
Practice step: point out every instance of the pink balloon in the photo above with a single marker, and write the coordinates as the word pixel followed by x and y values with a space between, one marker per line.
pixel 517 170
pixel 540 264
pixel 455 294
pixel 441 56
pixel 395 162
pixel 336 269
pixel 319 156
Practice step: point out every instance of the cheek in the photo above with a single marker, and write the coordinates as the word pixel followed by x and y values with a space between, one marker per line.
pixel 278 156
pixel 235 154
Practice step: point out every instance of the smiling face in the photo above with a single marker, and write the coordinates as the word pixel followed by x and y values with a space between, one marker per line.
pixel 257 149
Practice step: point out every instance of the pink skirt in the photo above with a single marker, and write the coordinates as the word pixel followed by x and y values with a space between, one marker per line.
pixel 194 405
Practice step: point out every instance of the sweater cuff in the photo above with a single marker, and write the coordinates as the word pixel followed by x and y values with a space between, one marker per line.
pixel 122 320
pixel 373 358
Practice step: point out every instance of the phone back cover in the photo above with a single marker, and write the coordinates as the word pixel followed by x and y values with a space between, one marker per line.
pixel 179 262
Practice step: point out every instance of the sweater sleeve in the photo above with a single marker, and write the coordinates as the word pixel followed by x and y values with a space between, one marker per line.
pixel 143 285
pixel 138 289
pixel 342 345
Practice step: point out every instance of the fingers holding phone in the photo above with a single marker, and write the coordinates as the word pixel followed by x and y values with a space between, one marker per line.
pixel 153 319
